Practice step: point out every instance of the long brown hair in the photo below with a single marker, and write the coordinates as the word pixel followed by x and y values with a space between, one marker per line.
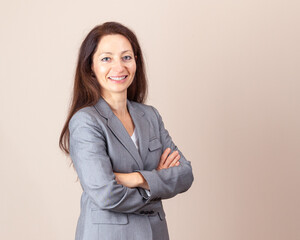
pixel 86 90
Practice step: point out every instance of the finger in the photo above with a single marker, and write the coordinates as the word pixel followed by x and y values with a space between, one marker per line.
pixel 165 153
pixel 170 158
pixel 176 159
pixel 177 164
pixel 164 156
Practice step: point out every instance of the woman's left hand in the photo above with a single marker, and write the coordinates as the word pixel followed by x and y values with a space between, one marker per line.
pixel 131 180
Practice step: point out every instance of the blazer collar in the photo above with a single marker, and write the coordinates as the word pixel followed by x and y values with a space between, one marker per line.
pixel 142 128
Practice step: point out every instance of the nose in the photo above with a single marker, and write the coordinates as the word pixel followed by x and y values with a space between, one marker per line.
pixel 118 66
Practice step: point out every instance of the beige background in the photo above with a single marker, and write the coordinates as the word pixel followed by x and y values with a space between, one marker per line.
pixel 223 74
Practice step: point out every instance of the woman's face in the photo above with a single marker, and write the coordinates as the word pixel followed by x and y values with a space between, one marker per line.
pixel 114 64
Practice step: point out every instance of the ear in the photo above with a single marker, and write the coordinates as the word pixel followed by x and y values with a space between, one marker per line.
pixel 135 56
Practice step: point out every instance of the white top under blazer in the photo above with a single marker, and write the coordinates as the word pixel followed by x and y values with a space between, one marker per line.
pixel 136 143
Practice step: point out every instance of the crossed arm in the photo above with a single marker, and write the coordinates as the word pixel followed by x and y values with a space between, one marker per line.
pixel 136 179
pixel 117 191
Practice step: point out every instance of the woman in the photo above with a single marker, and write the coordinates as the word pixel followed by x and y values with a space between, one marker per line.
pixel 124 157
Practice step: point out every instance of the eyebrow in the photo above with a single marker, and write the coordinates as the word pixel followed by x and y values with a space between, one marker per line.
pixel 111 53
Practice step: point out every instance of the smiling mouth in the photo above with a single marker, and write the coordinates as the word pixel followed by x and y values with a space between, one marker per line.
pixel 118 78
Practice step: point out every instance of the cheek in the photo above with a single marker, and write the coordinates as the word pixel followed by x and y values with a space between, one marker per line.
pixel 101 71
pixel 132 68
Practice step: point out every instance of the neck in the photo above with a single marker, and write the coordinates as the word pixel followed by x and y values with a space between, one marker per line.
pixel 117 103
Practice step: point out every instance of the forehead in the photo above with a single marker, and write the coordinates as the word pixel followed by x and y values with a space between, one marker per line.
pixel 113 43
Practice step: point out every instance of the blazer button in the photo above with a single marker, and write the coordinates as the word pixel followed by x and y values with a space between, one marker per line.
pixel 142 212
pixel 151 212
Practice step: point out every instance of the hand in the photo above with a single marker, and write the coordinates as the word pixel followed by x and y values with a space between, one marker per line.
pixel 167 161
pixel 131 180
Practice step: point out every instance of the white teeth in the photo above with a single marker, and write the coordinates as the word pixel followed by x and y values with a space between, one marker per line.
pixel 117 78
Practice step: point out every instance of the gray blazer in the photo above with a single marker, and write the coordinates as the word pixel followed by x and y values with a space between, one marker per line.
pixel 100 145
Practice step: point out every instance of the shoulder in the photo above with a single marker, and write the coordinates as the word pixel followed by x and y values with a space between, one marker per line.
pixel 148 109
pixel 85 113
pixel 84 116
pixel 151 112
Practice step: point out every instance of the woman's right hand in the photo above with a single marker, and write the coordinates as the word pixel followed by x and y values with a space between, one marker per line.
pixel 167 160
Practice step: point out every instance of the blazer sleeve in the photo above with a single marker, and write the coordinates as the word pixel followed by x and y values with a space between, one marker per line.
pixel 94 169
pixel 167 183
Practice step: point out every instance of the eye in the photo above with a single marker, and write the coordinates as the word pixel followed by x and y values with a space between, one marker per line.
pixel 127 58
pixel 106 59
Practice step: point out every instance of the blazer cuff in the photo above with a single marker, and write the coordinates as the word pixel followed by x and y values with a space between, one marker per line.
pixel 150 177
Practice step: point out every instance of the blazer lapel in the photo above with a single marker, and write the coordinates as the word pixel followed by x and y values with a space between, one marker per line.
pixel 142 128
pixel 118 129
